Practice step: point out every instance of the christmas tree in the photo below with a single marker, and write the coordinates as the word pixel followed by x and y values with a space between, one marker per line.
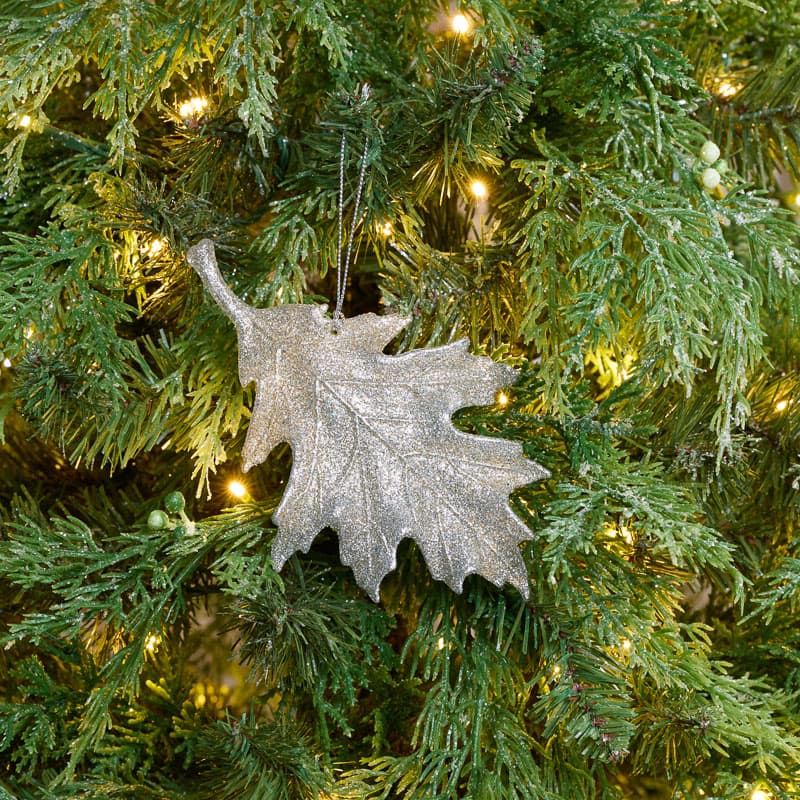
pixel 599 197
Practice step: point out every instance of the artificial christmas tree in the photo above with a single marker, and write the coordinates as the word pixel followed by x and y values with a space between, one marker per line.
pixel 598 196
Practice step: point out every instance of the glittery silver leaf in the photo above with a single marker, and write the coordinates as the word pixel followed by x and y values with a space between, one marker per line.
pixel 375 455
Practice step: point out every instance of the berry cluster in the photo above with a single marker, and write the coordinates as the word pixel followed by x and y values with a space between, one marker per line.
pixel 174 503
pixel 715 167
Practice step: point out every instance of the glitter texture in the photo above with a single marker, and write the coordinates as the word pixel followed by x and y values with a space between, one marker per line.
pixel 376 456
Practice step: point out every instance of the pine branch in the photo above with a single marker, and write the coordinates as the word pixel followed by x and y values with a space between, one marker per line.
pixel 304 639
pixel 246 759
pixel 246 42
pixel 120 587
pixel 659 651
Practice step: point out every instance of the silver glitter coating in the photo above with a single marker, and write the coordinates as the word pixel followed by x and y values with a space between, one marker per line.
pixel 375 454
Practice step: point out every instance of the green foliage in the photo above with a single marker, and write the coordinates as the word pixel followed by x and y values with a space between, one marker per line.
pixel 304 639
pixel 33 734
pixel 654 321
pixel 243 759
pixel 638 47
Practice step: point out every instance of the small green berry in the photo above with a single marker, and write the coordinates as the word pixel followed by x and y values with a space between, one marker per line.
pixel 709 152
pixel 710 178
pixel 174 502
pixel 157 520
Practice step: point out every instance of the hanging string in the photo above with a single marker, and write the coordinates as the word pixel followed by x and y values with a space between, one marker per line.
pixel 342 269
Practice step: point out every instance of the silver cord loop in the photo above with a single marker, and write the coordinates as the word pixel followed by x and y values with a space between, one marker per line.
pixel 342 270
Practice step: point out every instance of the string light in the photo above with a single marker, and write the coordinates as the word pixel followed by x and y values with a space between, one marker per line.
pixel 460 24
pixel 479 189
pixel 727 89
pixel 206 693
pixel 156 246
pixel 440 643
pixel 193 107
pixel 385 229
pixel 152 642
pixel 25 121
pixel 7 363
pixel 502 399
pixel 760 794
pixel 626 645
pixel 782 405
pixel 237 489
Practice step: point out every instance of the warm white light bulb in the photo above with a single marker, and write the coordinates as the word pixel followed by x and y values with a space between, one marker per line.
pixel 193 107
pixel 7 363
pixel 152 642
pixel 759 794
pixel 502 399
pixel 156 246
pixel 727 89
pixel 460 24
pixel 25 121
pixel 479 189
pixel 626 645
pixel 440 643
pixel 386 229
pixel 782 405
pixel 237 489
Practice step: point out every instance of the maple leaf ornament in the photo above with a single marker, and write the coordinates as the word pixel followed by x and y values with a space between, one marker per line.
pixel 375 455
